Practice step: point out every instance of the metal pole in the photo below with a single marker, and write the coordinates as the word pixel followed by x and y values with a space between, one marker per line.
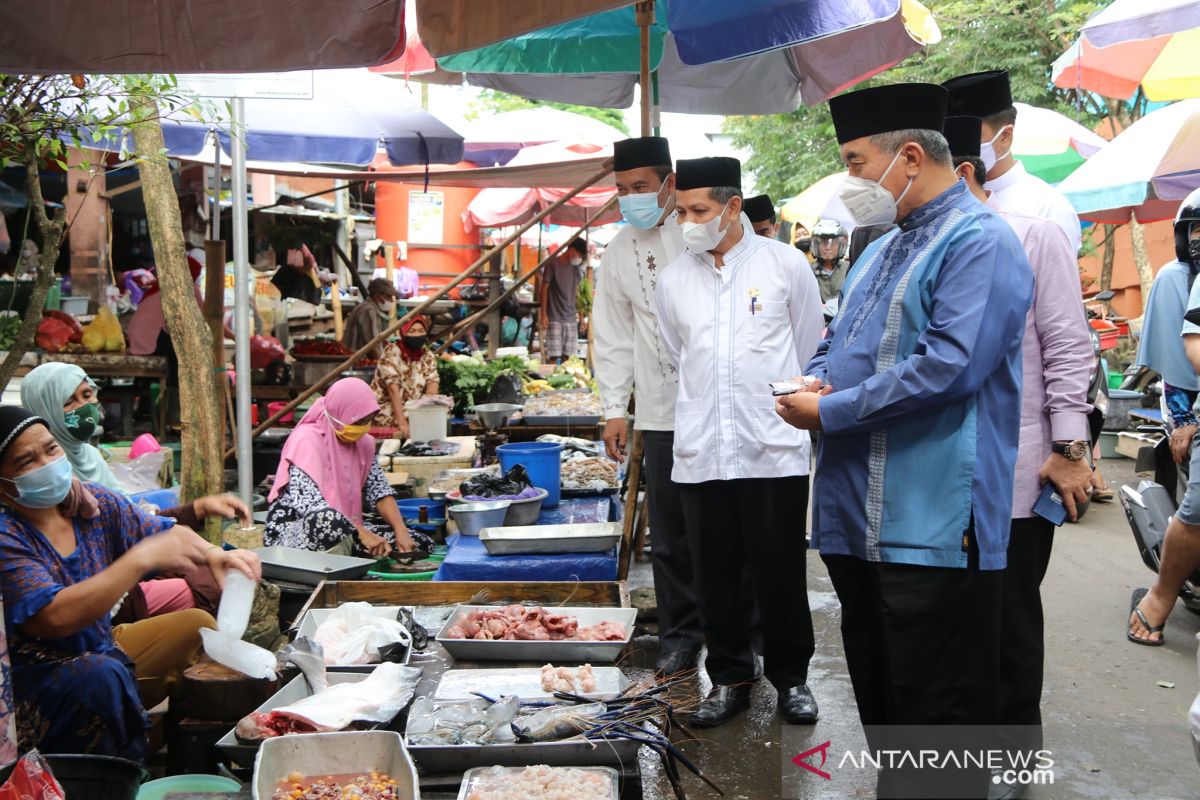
pixel 241 305
pixel 645 18
pixel 215 221
pixel 341 207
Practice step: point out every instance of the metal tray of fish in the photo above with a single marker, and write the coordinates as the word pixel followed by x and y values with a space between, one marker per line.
pixel 476 778
pixel 315 617
pixel 545 420
pixel 595 537
pixel 294 691
pixel 542 652
pixel 309 567
pixel 459 685
pixel 439 759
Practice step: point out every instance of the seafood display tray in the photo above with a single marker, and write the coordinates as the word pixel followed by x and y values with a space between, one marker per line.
pixel 568 753
pixel 567 650
pixel 315 617
pixel 596 537
pixel 294 691
pixel 334 753
pixel 478 773
pixel 457 685
pixel 591 420
pixel 310 568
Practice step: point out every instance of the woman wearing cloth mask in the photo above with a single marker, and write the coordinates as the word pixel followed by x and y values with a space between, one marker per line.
pixel 327 472
pixel 68 552
pixel 406 372
pixel 65 397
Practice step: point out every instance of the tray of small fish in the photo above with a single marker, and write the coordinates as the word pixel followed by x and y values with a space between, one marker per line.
pixel 578 783
pixel 530 683
pixel 454 737
pixel 595 537
pixel 533 634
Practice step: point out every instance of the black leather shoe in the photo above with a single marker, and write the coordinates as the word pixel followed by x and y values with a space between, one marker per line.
pixel 722 704
pixel 676 661
pixel 1001 790
pixel 797 706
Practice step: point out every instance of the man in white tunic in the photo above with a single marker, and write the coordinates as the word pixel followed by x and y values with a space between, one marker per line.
pixel 631 358
pixel 736 312
pixel 987 95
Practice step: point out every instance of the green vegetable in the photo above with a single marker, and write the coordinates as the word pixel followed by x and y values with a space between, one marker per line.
pixel 470 379
pixel 10 324
pixel 561 381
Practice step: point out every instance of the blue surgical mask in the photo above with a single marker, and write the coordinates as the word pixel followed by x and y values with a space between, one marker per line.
pixel 642 210
pixel 44 487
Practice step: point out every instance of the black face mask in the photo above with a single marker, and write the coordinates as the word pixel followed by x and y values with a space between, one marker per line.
pixel 804 245
pixel 1194 251
pixel 415 342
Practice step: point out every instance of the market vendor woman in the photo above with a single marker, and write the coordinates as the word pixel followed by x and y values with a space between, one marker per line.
pixel 327 472
pixel 406 372
pixel 68 552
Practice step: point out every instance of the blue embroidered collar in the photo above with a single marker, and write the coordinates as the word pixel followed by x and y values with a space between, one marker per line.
pixel 934 208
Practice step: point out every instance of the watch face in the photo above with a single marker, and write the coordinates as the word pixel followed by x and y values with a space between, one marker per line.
pixel 1077 450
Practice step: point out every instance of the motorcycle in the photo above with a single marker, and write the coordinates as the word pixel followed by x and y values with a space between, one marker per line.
pixel 1149 507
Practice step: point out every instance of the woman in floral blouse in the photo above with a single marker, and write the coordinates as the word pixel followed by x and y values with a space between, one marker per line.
pixel 406 372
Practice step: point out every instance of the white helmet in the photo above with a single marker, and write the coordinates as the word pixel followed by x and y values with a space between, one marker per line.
pixel 829 229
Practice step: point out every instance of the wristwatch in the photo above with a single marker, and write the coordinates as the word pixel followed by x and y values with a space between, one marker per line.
pixel 1076 450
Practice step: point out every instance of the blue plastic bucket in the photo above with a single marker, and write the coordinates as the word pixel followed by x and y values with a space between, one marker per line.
pixel 543 462
pixel 411 509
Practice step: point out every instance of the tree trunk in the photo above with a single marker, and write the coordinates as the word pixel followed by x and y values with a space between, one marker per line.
pixel 1141 258
pixel 53 230
pixel 203 469
pixel 1110 255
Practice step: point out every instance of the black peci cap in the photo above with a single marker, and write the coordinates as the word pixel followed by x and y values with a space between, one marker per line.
pixel 644 151
pixel 980 94
pixel 883 109
pixel 963 135
pixel 705 173
pixel 759 208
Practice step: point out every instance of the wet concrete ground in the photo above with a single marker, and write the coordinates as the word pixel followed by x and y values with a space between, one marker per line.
pixel 1113 731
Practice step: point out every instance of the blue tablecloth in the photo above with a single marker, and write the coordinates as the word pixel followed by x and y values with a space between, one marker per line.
pixel 468 560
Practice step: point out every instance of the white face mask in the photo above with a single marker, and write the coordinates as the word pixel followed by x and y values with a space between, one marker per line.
pixel 987 151
pixel 576 261
pixel 868 202
pixel 700 237
pixel 386 307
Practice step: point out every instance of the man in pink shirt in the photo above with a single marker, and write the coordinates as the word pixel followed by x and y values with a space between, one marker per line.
pixel 1056 371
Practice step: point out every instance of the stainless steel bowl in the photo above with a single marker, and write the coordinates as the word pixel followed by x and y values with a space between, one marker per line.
pixel 525 512
pixel 471 518
pixel 495 415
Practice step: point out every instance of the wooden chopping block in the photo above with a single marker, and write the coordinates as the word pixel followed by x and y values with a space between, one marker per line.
pixel 216 692
pixel 396 478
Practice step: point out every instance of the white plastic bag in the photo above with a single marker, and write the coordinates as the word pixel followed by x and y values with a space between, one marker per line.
pixel 378 698
pixel 225 645
pixel 355 633
pixel 140 474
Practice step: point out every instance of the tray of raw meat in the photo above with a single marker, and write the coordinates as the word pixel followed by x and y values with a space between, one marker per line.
pixel 532 633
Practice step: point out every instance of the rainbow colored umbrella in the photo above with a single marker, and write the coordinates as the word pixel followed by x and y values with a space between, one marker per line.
pixel 1164 67
pixel 1051 145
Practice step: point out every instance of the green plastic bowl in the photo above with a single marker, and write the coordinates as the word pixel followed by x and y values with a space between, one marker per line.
pixel 157 790
pixel 383 575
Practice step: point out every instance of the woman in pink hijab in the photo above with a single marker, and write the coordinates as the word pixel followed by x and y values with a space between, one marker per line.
pixel 327 472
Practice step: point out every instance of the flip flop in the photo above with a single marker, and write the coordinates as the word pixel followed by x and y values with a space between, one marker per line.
pixel 1138 595
pixel 1104 495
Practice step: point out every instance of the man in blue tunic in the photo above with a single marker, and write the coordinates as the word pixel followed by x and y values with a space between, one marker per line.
pixel 917 393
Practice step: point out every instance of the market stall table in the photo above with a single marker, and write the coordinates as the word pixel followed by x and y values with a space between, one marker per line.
pixel 523 432
pixel 468 560
pixel 108 366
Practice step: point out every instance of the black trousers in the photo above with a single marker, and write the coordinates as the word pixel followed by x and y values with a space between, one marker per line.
pixel 679 626
pixel 1022 626
pixel 922 643
pixel 923 649
pixel 753 526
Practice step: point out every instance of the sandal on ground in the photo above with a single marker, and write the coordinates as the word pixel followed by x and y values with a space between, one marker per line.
pixel 1103 494
pixel 1134 601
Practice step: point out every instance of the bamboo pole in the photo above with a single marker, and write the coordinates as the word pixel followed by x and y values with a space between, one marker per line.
pixel 465 325
pixel 645 18
pixel 425 305
pixel 633 480
pixel 389 258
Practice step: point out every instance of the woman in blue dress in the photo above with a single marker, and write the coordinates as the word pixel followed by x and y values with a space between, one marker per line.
pixel 68 552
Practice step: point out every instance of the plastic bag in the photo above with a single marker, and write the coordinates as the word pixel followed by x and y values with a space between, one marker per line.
pixel 225 645
pixel 355 634
pixel 32 780
pixel 379 698
pixel 1194 715
pixel 104 333
pixel 265 350
pixel 489 485
pixel 53 335
pixel 140 474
